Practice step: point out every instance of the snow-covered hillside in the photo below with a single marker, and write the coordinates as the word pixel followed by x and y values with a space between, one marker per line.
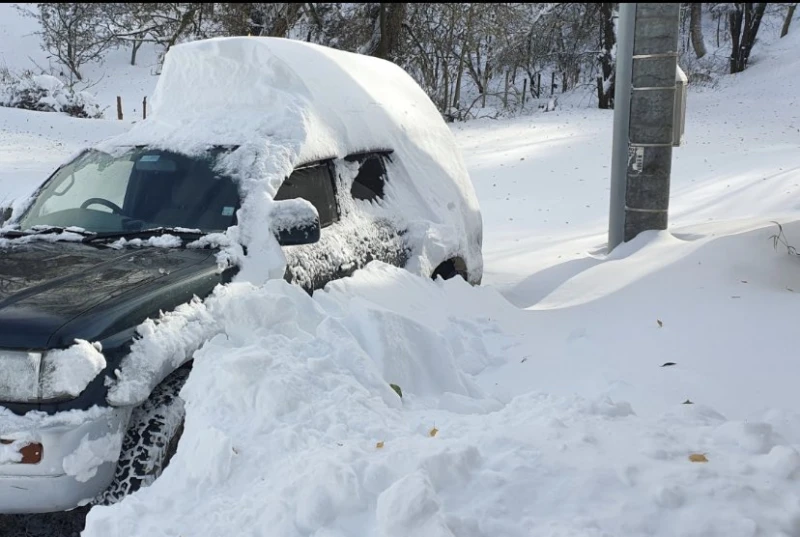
pixel 652 391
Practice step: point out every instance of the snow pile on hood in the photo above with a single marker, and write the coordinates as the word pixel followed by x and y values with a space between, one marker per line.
pixel 292 426
pixel 286 103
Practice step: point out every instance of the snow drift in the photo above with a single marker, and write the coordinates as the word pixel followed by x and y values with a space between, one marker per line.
pixel 292 428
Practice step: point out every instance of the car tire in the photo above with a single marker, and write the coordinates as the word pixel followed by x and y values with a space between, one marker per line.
pixel 450 269
pixel 151 440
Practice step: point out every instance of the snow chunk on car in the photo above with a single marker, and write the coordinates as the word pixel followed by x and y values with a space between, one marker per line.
pixel 69 371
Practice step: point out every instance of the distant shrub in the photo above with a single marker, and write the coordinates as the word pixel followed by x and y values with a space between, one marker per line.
pixel 45 93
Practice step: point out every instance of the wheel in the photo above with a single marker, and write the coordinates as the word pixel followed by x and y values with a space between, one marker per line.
pixel 450 269
pixel 151 440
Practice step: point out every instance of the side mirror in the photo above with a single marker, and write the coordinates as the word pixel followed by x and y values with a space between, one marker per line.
pixel 5 215
pixel 294 221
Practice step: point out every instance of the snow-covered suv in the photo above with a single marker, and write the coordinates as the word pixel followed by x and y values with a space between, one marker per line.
pixel 264 158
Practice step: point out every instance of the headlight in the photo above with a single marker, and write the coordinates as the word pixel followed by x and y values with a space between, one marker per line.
pixel 33 377
pixel 19 376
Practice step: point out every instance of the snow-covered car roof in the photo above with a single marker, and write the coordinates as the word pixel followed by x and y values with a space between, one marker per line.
pixel 286 102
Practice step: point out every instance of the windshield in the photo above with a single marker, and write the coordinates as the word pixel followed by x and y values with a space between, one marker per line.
pixel 139 189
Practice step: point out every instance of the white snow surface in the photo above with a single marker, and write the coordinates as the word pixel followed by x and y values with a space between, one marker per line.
pixel 70 370
pixel 553 412
pixel 285 103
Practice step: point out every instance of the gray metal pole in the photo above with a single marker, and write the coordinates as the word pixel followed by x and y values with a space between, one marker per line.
pixel 622 114
pixel 640 199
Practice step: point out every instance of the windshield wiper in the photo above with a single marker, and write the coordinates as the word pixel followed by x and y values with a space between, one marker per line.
pixel 46 230
pixel 183 234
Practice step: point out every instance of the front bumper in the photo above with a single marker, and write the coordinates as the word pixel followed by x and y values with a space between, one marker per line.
pixel 79 457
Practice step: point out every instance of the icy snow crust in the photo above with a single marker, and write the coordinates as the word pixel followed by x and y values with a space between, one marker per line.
pixel 286 103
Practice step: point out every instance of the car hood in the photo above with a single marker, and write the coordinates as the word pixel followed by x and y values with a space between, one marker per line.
pixel 45 286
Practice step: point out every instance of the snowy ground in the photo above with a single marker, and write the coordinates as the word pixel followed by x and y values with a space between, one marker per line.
pixel 540 404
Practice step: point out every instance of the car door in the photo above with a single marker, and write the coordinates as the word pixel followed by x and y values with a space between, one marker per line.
pixel 362 184
pixel 353 233
pixel 314 265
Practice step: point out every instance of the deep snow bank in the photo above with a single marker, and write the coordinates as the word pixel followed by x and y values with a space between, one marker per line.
pixel 292 429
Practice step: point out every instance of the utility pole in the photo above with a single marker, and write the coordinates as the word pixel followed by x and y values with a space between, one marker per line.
pixel 644 115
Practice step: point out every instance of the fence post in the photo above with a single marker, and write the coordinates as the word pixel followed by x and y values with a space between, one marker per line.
pixel 524 91
pixel 119 108
pixel 144 107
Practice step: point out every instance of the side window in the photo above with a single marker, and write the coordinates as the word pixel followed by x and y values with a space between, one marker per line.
pixel 369 183
pixel 315 184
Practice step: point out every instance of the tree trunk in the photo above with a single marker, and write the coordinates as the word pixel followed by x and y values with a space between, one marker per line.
pixel 696 29
pixel 788 20
pixel 135 45
pixel 505 90
pixel 744 24
pixel 487 72
pixel 72 63
pixel 391 24
pixel 605 84
pixel 463 52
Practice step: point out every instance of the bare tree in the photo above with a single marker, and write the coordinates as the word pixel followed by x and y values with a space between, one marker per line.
pixel 259 19
pixel 696 29
pixel 129 23
pixel 164 24
pixel 72 34
pixel 744 20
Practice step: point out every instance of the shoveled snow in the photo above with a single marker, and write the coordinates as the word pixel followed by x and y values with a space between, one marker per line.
pixel 69 371
pixel 292 424
pixel 161 346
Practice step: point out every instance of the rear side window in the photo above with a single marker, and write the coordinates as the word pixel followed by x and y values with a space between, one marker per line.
pixel 315 184
pixel 371 179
